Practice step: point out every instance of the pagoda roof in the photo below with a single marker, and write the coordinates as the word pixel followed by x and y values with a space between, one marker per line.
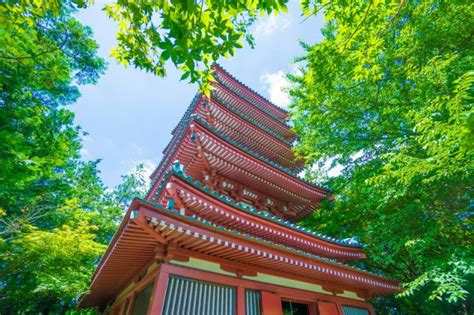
pixel 259 121
pixel 294 187
pixel 177 135
pixel 250 119
pixel 266 105
pixel 258 156
pixel 146 227
pixel 264 223
pixel 263 117
pixel 249 133
pixel 178 131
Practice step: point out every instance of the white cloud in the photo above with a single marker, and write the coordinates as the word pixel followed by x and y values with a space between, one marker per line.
pixel 148 165
pixel 84 152
pixel 268 25
pixel 335 171
pixel 276 84
pixel 330 171
pixel 87 138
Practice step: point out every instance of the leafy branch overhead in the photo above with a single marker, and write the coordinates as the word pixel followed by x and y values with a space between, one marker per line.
pixel 190 34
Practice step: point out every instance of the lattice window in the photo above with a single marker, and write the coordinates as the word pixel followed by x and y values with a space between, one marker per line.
pixel 187 296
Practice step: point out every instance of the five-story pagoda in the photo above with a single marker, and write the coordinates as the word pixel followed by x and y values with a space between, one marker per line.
pixel 217 233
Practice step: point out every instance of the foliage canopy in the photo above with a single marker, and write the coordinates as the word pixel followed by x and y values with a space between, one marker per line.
pixel 388 95
pixel 56 216
pixel 192 34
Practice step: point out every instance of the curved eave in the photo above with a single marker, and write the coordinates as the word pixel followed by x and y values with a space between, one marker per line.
pixel 234 161
pixel 147 226
pixel 243 105
pixel 173 145
pixel 221 210
pixel 239 147
pixel 271 132
pixel 278 111
pixel 250 134
pixel 171 148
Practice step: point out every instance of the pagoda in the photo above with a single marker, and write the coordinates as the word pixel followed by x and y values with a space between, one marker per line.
pixel 218 233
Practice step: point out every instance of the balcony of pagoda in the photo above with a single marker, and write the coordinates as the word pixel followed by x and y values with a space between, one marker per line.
pixel 150 234
pixel 179 192
pixel 245 130
pixel 202 150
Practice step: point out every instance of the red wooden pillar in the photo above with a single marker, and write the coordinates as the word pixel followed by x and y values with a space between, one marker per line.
pixel 313 308
pixel 240 300
pixel 161 283
pixel 271 303
pixel 327 308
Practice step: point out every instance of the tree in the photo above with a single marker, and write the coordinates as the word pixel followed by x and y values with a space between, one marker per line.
pixel 56 216
pixel 44 54
pixel 386 95
pixel 51 234
pixel 45 270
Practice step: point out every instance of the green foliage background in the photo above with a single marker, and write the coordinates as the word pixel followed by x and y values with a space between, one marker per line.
pixel 56 216
pixel 386 96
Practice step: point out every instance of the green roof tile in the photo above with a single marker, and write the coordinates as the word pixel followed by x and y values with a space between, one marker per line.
pixel 177 169
pixel 253 238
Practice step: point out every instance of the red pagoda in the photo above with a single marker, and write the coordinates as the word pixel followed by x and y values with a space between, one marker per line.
pixel 217 233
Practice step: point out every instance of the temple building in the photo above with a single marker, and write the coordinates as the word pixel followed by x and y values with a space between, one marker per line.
pixel 217 233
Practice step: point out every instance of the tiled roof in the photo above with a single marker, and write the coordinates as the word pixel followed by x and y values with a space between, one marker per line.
pixel 275 245
pixel 256 123
pixel 252 90
pixel 178 170
pixel 255 154
pixel 180 131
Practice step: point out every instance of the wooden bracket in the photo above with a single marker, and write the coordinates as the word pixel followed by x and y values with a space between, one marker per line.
pixel 148 228
pixel 209 117
pixel 201 153
pixel 334 290
pixel 171 189
pixel 365 294
pixel 238 272
pixel 166 253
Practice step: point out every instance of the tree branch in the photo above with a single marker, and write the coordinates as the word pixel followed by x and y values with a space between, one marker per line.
pixel 40 53
pixel 358 26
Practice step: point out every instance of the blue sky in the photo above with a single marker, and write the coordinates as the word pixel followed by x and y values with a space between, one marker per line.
pixel 129 114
